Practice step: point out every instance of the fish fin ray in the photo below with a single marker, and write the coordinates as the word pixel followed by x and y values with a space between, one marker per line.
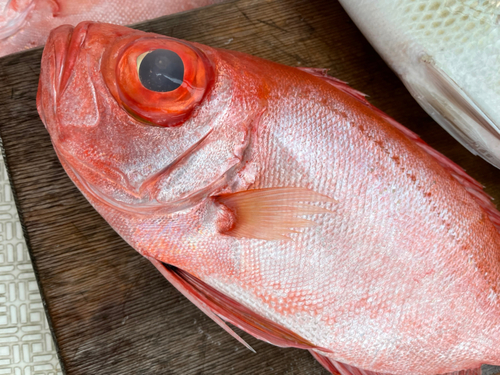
pixel 215 303
pixel 181 286
pixel 326 362
pixel 339 368
pixel 341 85
pixel 449 104
pixel 269 214
pixel 474 188
pixel 474 371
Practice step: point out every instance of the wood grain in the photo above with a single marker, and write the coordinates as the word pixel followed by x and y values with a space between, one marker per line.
pixel 110 311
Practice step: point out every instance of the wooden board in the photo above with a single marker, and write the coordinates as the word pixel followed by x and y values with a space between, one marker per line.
pixel 110 311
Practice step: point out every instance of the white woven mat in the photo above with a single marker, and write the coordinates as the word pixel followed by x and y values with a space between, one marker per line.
pixel 26 346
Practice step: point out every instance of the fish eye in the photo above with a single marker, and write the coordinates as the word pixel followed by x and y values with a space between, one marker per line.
pixel 161 70
pixel 157 80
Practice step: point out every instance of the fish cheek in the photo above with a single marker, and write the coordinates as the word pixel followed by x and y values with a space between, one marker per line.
pixel 77 105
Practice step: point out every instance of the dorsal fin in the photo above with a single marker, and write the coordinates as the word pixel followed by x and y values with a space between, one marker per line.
pixel 341 85
pixel 474 188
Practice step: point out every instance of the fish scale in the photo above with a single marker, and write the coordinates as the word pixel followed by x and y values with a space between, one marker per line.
pixel 397 268
pixel 455 33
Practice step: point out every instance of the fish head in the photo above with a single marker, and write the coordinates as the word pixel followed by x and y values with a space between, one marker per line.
pixel 142 121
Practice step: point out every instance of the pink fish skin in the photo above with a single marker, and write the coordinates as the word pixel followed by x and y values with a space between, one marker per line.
pixel 396 269
pixel 26 24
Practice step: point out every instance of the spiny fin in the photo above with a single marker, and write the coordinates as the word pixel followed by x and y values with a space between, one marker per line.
pixel 268 214
pixel 474 188
pixel 326 362
pixel 185 289
pixel 341 85
pixel 217 305
pixel 338 368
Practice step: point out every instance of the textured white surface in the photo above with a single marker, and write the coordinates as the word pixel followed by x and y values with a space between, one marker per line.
pixel 447 53
pixel 26 346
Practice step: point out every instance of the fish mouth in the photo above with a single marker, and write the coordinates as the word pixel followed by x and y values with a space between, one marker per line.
pixel 58 60
pixel 66 41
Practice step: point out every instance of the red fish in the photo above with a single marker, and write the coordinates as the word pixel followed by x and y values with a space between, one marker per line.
pixel 26 24
pixel 278 199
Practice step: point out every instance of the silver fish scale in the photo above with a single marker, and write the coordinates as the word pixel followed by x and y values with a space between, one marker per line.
pixel 354 295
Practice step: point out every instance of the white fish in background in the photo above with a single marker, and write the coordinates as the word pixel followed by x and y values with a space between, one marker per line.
pixel 447 53
pixel 26 24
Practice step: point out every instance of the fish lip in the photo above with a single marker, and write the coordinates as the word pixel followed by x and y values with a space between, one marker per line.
pixel 66 41
pixel 58 40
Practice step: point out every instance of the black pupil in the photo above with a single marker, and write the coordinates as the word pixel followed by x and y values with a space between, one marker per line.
pixel 161 70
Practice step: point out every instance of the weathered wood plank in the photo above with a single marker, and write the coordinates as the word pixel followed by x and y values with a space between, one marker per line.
pixel 111 312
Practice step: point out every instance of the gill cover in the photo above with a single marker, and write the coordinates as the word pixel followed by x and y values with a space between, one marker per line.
pixel 157 80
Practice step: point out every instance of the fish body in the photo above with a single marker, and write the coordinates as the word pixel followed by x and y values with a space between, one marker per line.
pixel 447 54
pixel 26 24
pixel 285 202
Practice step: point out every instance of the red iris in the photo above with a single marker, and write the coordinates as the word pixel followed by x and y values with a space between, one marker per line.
pixel 159 108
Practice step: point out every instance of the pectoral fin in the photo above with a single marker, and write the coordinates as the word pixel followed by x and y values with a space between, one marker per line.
pixel 269 214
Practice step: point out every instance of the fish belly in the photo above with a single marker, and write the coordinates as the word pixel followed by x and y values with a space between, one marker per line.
pixel 400 277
